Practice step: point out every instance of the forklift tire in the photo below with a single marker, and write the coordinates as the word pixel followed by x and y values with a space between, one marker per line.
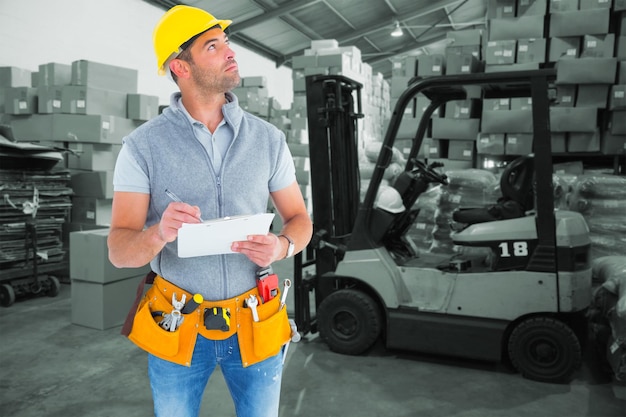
pixel 544 349
pixel 7 295
pixel 55 286
pixel 349 321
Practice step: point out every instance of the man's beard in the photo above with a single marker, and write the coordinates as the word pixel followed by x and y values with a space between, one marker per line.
pixel 209 82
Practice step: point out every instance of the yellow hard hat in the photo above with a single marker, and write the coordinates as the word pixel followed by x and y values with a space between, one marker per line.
pixel 178 25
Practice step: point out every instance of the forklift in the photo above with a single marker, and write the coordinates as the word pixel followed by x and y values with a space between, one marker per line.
pixel 361 281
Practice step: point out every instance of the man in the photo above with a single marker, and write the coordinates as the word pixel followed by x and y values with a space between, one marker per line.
pixel 220 161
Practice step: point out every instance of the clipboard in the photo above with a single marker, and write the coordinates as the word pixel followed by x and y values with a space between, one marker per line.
pixel 214 237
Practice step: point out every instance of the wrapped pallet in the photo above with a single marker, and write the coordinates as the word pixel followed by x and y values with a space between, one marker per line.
pixel 607 312
pixel 601 199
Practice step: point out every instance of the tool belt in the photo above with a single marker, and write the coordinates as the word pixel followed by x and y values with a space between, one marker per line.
pixel 257 340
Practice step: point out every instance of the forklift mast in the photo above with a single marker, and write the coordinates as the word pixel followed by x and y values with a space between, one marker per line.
pixel 335 184
pixel 333 151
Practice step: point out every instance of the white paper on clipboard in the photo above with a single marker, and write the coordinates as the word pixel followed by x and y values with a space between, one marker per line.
pixel 214 237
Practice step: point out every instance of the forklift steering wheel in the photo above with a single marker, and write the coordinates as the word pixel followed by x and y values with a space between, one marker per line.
pixel 429 172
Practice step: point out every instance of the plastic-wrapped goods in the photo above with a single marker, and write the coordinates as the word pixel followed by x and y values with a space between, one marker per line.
pixel 366 169
pixel 422 228
pixel 607 312
pixel 601 199
pixel 601 186
pixel 372 151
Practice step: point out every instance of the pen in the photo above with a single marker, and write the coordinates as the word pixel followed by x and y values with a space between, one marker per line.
pixel 174 197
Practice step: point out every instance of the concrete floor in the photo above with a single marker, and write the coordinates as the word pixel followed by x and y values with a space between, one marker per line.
pixel 53 368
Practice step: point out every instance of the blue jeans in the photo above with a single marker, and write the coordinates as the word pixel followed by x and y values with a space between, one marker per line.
pixel 177 390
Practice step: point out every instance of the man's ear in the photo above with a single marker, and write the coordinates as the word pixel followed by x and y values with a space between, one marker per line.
pixel 180 68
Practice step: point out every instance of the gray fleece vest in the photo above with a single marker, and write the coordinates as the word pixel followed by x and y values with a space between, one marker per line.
pixel 171 156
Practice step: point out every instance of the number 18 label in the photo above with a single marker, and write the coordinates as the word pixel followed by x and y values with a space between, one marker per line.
pixel 517 249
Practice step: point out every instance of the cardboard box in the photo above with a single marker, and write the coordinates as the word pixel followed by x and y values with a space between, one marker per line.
pixel 443 128
pixel 515 28
pixel 511 121
pixel 89 259
pixel 583 141
pixel 617 98
pixel 429 65
pixel 72 128
pixel 518 144
pixel 20 100
pixel 461 150
pixel 566 95
pixel 563 5
pixel 573 119
pixel 500 52
pixel 497 103
pixel 501 8
pixel 521 103
pixel 92 156
pixel 103 306
pixel 142 106
pixel 598 46
pixel 490 143
pixel 586 71
pixel 91 210
pixel 462 64
pixel 49 99
pixel 620 49
pixel 463 109
pixel 562 48
pixel 97 184
pixel 81 99
pixel 531 50
pixel 104 76
pixel 532 7
pixel 15 77
pixel 611 144
pixel 55 74
pixel 579 23
pixel 592 95
pixel 464 37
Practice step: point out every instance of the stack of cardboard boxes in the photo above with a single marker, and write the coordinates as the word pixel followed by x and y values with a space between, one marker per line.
pixel 87 108
pixel 584 39
pixel 326 57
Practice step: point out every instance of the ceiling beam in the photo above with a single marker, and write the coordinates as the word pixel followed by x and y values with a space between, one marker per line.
pixel 268 15
pixel 422 11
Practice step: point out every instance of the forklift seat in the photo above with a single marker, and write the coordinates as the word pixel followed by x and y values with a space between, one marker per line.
pixel 516 185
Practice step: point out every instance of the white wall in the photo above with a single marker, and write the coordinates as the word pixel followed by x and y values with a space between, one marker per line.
pixel 116 32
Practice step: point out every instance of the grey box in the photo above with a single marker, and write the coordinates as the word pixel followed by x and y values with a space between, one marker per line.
pixel 573 119
pixel 92 156
pixel 507 121
pixel 586 71
pixel 580 22
pixel 98 184
pixel 142 106
pixel 102 306
pixel 105 76
pixel 81 99
pixel 444 128
pixel 15 77
pixel 55 74
pixel 49 99
pixel 72 128
pixel 89 259
pixel 515 28
pixel 20 100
